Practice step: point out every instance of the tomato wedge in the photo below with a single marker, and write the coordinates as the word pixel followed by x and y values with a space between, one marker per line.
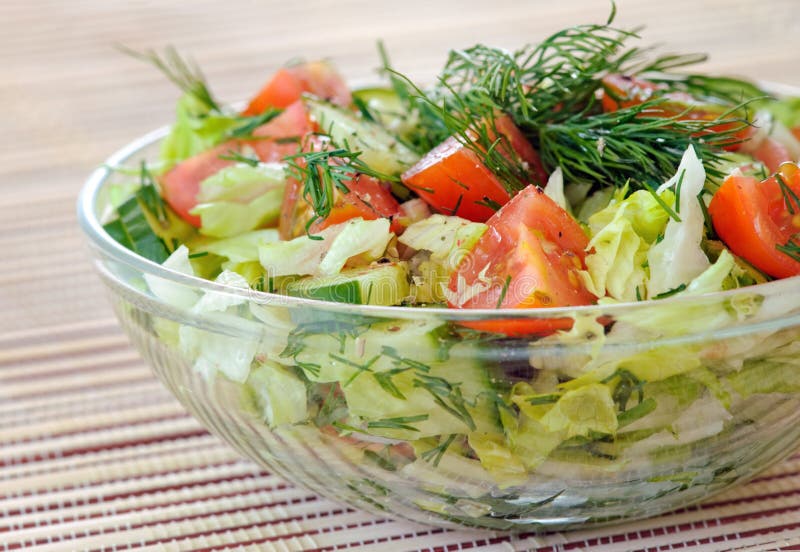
pixel 367 198
pixel 454 180
pixel 287 85
pixel 772 153
pixel 622 91
pixel 272 142
pixel 755 219
pixel 528 258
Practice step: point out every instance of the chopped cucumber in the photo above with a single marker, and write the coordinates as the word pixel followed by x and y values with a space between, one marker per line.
pixel 381 151
pixel 385 284
pixel 387 109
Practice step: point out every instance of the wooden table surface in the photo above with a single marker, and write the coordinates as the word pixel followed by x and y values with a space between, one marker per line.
pixel 94 453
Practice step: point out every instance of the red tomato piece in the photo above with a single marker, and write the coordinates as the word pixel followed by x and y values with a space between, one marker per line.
pixel 772 153
pixel 282 135
pixel 288 84
pixel 454 180
pixel 181 184
pixel 528 258
pixel 367 198
pixel 754 219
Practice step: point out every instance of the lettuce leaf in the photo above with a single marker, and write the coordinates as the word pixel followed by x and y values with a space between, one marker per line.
pixel 240 198
pixel 241 248
pixel 279 394
pixel 195 130
pixel 303 255
pixel 224 219
pixel 621 237
pixel 678 258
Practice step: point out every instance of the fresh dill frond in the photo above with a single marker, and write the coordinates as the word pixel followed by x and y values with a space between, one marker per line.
pixel 728 91
pixel 636 146
pixel 239 157
pixel 326 172
pixel 790 197
pixel 184 73
pixel 791 249
pixel 249 124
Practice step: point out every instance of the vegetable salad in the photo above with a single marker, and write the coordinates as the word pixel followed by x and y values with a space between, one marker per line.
pixel 577 171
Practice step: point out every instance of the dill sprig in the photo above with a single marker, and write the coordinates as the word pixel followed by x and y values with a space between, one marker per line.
pixel 542 83
pixel 791 249
pixel 632 145
pixel 550 90
pixel 184 73
pixel 790 197
pixel 324 172
pixel 729 91
pixel 435 454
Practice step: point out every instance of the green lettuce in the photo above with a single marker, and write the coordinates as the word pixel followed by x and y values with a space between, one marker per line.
pixel 279 394
pixel 195 130
pixel 240 198
pixel 241 248
pixel 622 234
pixel 305 255
pixel 678 258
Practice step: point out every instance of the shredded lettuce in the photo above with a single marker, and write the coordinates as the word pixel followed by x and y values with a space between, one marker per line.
pixel 279 394
pixel 678 258
pixel 240 198
pixel 588 408
pixel 173 293
pixel 242 182
pixel 506 468
pixel 622 234
pixel 196 129
pixel 224 219
pixel 554 189
pixel 214 351
pixel 305 255
pixel 241 248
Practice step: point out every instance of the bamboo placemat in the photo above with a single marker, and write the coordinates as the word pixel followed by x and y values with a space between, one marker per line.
pixel 94 453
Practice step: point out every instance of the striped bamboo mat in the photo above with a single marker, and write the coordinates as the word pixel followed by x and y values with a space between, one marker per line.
pixel 94 453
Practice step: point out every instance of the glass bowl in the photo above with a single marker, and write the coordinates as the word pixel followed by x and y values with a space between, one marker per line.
pixel 633 410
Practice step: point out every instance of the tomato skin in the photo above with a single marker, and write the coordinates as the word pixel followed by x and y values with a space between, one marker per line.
pixel 752 218
pixel 441 178
pixel 622 91
pixel 772 153
pixel 288 84
pixel 367 198
pixel 529 257
pixel 453 179
pixel 181 184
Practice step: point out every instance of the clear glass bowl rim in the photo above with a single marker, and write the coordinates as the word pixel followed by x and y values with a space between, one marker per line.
pixel 92 226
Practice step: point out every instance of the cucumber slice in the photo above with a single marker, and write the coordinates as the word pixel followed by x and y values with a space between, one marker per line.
pixel 388 110
pixel 385 284
pixel 381 150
